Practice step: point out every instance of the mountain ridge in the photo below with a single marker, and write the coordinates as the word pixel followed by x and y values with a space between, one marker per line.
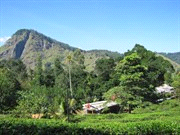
pixel 173 56
pixel 27 44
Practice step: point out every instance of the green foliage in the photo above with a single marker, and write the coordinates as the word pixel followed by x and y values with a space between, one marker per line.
pixel 157 66
pixel 8 90
pixel 141 70
pixel 41 100
pixel 133 75
pixel 32 101
pixel 148 123
pixel 2 49
pixel 123 97
pixel 104 68
pixel 58 69
pixel 102 79
pixel 49 76
pixel 21 32
pixel 114 55
pixel 176 85
pixel 46 88
pixel 166 106
pixel 38 73
pixel 173 56
pixel 139 73
pixel 16 67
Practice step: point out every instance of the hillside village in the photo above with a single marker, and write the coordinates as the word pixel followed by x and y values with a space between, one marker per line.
pixel 43 78
pixel 27 62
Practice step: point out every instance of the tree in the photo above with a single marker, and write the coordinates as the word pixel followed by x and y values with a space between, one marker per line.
pixel 104 67
pixel 32 101
pixel 123 97
pixel 103 81
pixel 58 69
pixel 159 70
pixel 49 78
pixel 78 58
pixel 176 85
pixel 56 100
pixel 8 90
pixel 76 71
pixel 38 72
pixel 133 75
pixel 16 67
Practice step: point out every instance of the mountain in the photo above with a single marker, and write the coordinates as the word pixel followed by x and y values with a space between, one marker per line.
pixel 175 65
pixel 28 44
pixel 173 56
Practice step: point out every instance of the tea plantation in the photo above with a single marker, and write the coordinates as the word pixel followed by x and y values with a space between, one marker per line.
pixel 162 119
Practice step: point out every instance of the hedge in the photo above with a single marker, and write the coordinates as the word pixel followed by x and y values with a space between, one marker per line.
pixel 14 126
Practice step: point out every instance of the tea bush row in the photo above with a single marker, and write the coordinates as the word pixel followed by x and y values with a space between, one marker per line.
pixel 43 126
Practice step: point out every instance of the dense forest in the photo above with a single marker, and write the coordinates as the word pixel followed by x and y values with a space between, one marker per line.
pixel 60 88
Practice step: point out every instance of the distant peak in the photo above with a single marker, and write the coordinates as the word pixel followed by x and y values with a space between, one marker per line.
pixel 22 31
pixel 34 32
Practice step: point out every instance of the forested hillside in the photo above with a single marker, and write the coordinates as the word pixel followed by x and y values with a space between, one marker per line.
pixel 131 80
pixel 173 56
pixel 28 44
pixel 44 76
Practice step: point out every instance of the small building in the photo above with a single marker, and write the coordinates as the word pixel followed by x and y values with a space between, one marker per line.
pixel 98 107
pixel 164 89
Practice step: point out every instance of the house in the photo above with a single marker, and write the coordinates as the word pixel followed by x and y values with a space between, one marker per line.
pixel 164 89
pixel 98 107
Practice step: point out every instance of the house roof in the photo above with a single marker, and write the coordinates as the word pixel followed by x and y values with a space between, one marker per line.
pixel 164 89
pixel 98 105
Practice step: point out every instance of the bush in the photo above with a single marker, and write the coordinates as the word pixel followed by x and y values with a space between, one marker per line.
pixel 43 126
pixel 167 105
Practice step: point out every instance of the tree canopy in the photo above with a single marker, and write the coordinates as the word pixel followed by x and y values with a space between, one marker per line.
pixel 58 87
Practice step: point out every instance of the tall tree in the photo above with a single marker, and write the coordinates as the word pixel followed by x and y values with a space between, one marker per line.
pixel 8 90
pixel 133 76
pixel 32 101
pixel 123 97
pixel 49 77
pixel 38 72
pixel 58 68
pixel 104 68
pixel 104 80
pixel 16 67
pixel 158 67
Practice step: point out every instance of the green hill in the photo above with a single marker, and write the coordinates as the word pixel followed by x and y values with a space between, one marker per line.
pixel 27 44
pixel 173 56
pixel 175 65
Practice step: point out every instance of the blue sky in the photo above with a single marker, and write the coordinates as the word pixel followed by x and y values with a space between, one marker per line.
pixel 97 24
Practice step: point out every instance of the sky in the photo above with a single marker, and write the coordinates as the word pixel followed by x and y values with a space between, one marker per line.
pixel 115 25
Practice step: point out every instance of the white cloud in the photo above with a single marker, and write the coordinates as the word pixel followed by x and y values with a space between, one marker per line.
pixel 3 39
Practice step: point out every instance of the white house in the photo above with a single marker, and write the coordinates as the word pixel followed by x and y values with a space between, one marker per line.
pixel 97 107
pixel 164 89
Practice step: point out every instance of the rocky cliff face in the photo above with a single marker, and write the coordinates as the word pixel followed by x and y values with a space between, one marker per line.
pixel 28 44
